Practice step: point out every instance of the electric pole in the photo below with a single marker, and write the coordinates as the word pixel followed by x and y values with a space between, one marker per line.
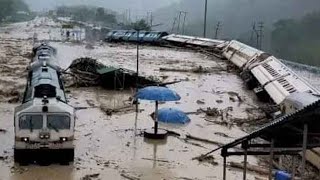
pixel 174 24
pixel 205 19
pixel 129 19
pixel 252 32
pixel 184 21
pixel 147 19
pixel 217 30
pixel 178 29
pixel 151 19
pixel 260 32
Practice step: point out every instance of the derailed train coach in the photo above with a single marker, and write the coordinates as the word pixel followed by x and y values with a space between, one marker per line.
pixel 270 78
pixel 151 37
pixel 44 122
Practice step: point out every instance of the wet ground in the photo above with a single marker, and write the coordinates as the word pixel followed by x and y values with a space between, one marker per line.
pixel 112 147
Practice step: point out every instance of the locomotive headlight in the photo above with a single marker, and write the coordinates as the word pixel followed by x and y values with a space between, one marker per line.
pixel 41 136
pixel 47 136
pixel 25 139
pixel 63 139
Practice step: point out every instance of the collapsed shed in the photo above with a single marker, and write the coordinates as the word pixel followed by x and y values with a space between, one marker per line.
pixel 90 72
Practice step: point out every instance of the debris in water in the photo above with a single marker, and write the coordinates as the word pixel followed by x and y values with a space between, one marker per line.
pixel 207 159
pixel 89 72
pixel 129 177
pixel 219 101
pixel 90 176
pixel 198 70
pixel 200 102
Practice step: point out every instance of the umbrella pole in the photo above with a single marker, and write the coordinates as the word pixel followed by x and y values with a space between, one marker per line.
pixel 156 119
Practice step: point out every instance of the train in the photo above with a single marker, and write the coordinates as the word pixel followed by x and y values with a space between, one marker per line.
pixel 151 37
pixel 271 79
pixel 44 123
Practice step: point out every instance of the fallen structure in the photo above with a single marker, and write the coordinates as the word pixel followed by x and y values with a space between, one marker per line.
pixel 89 72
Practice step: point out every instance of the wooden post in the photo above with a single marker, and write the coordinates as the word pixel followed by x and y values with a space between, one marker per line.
pixel 304 149
pixel 245 164
pixel 224 168
pixel 271 159
pixel 137 73
pixel 156 119
pixel 293 168
pixel 245 147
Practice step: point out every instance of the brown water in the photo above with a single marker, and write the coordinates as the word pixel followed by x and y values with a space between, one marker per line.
pixel 112 145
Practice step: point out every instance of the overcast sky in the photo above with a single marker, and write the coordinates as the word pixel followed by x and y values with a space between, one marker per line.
pixel 117 5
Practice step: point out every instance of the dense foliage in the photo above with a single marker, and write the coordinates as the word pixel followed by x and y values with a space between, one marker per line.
pixel 87 14
pixel 138 25
pixel 13 10
pixel 298 40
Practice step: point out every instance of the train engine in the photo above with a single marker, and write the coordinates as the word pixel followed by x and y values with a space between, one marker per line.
pixel 44 122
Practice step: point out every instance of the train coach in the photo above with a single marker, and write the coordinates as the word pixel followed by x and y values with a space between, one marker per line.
pixel 44 122
pixel 151 37
pixel 270 78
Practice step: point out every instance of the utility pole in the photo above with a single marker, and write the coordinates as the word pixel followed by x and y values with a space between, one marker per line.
pixel 129 20
pixel 253 32
pixel 174 24
pixel 124 17
pixel 147 19
pixel 260 32
pixel 205 19
pixel 217 30
pixel 178 29
pixel 184 21
pixel 151 20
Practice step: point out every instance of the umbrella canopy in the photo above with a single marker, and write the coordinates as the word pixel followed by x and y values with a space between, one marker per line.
pixel 156 93
pixel 172 115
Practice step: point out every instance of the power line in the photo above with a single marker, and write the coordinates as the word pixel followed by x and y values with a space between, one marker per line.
pixel 218 26
pixel 252 32
pixel 178 28
pixel 151 19
pixel 184 21
pixel 260 32
pixel 174 24
pixel 257 29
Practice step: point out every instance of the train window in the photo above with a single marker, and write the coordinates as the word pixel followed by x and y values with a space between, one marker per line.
pixel 31 122
pixel 58 122
pixel 44 69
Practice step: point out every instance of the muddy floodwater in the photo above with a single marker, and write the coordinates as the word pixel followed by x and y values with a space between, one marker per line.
pixel 112 147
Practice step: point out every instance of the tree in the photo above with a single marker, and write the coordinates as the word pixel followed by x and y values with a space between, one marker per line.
pixel 11 7
pixel 298 40
pixel 100 15
pixel 141 25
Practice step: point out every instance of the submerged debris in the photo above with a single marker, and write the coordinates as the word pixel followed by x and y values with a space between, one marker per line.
pixel 90 176
pixel 206 159
pixel 198 69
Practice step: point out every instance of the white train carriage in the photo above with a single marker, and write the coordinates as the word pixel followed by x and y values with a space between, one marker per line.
pixel 194 41
pixel 44 122
pixel 278 80
pixel 240 54
pixel 270 78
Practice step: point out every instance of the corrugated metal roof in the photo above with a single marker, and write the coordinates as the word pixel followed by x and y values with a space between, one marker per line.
pixel 287 130
pixel 106 70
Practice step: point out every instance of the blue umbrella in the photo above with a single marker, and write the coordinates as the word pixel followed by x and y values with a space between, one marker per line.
pixel 172 115
pixel 157 93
